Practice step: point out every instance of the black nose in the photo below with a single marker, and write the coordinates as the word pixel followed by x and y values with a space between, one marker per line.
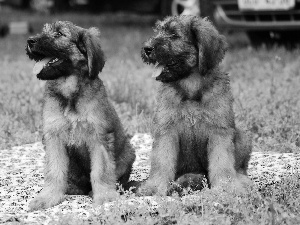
pixel 31 42
pixel 148 50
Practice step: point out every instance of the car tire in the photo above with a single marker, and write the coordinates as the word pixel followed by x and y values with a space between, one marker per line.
pixel 4 30
pixel 289 39
pixel 258 38
pixel 171 8
pixel 42 6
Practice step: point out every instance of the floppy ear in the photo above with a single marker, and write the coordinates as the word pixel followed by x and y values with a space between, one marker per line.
pixel 89 45
pixel 211 45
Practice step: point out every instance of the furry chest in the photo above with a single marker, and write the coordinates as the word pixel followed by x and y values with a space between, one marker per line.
pixel 79 129
pixel 73 128
pixel 200 116
pixel 193 132
pixel 77 132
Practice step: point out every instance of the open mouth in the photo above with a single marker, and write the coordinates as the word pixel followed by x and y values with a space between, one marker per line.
pixel 44 63
pixel 160 68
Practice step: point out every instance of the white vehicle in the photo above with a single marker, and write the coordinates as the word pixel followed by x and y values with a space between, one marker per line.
pixel 263 20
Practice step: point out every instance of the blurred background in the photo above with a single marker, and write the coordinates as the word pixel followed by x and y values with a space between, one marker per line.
pixel 262 61
pixel 263 21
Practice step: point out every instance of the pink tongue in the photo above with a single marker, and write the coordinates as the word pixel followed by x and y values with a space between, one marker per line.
pixel 40 65
pixel 157 70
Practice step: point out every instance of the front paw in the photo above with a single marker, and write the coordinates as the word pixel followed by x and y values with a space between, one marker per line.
pixel 104 197
pixel 45 200
pixel 235 186
pixel 242 185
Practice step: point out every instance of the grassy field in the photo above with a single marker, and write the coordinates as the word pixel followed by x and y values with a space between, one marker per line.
pixel 265 83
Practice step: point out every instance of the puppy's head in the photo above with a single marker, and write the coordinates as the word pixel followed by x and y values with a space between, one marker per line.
pixel 180 45
pixel 63 49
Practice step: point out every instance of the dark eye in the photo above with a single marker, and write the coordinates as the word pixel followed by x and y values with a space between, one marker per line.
pixel 58 34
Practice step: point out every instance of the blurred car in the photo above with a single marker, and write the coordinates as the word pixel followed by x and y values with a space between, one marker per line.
pixel 261 19
pixel 164 7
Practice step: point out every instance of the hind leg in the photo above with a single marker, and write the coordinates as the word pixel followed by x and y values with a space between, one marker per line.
pixel 243 150
pixel 124 166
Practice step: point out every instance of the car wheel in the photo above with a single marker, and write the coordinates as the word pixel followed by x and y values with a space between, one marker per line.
pixel 4 30
pixel 42 6
pixel 289 39
pixel 190 7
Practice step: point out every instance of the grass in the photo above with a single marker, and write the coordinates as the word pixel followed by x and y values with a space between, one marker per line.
pixel 265 83
pixel 273 205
